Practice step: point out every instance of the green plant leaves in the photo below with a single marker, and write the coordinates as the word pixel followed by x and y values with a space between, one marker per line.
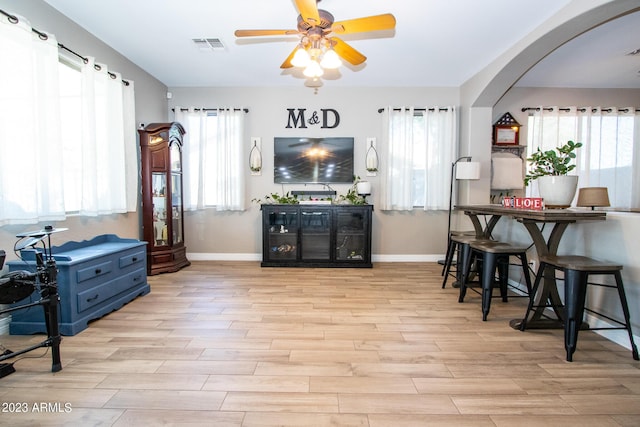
pixel 552 162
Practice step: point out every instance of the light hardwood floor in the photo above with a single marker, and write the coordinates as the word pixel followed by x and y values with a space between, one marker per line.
pixel 233 344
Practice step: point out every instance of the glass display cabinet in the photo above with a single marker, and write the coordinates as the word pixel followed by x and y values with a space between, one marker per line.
pixel 316 235
pixel 162 210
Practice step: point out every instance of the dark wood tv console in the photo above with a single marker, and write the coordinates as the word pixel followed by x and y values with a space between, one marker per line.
pixel 316 235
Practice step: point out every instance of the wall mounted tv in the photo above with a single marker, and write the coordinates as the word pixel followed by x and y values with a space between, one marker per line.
pixel 313 160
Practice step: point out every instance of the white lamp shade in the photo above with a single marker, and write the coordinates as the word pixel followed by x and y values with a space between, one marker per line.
pixel 301 58
pixel 330 60
pixel 363 187
pixel 468 170
pixel 313 69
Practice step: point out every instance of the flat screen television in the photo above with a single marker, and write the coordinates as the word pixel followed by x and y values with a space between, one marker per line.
pixel 313 160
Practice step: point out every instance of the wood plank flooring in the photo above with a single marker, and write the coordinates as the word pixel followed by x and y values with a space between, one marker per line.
pixel 234 344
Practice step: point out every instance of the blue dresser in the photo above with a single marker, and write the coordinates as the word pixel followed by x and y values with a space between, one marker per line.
pixel 95 277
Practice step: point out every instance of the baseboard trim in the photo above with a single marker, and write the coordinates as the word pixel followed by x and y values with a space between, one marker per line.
pixel 195 256
pixel 206 256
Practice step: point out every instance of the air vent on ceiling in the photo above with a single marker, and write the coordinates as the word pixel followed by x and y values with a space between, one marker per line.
pixel 206 44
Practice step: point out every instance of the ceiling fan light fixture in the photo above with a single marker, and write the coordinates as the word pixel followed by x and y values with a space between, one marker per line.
pixel 301 58
pixel 313 69
pixel 330 60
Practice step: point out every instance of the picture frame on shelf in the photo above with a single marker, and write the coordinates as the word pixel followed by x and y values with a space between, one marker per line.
pixel 506 131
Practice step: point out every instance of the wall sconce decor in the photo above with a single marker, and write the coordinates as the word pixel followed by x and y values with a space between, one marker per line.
pixel 255 156
pixel 371 158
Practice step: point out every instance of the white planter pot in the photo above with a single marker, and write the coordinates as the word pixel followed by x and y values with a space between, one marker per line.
pixel 557 191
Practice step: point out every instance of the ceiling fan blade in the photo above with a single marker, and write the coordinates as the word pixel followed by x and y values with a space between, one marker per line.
pixel 370 23
pixel 347 52
pixel 309 11
pixel 287 62
pixel 254 33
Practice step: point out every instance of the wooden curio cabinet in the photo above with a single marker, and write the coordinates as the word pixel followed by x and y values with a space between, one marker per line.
pixel 162 210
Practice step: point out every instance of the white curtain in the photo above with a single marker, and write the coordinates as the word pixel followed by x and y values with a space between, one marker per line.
pixel 31 161
pixel 194 155
pixel 230 164
pixel 420 148
pixel 38 182
pixel 104 172
pixel 397 182
pixel 441 132
pixel 214 158
pixel 610 156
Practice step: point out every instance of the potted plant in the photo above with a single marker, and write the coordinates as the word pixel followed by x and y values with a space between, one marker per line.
pixel 353 196
pixel 286 199
pixel 551 169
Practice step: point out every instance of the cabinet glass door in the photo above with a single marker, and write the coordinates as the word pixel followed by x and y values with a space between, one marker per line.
pixel 351 235
pixel 282 235
pixel 176 208
pixel 160 229
pixel 176 193
pixel 315 227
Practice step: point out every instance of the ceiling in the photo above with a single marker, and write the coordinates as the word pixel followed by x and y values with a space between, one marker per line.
pixel 435 44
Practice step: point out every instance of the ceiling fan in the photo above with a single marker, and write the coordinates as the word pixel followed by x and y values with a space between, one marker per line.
pixel 319 47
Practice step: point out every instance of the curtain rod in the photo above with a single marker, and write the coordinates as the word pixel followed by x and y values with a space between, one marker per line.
pixel 581 109
pixel 44 36
pixel 380 110
pixel 246 110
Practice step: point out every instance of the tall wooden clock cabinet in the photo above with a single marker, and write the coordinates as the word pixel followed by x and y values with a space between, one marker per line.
pixel 162 207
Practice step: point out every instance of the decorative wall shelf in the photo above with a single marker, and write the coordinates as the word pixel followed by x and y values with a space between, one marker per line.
pixel 514 149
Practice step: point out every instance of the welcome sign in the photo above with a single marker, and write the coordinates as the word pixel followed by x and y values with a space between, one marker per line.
pixel 533 203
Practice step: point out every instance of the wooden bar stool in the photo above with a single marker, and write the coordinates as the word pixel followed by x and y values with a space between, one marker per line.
pixel 494 255
pixel 577 270
pixel 459 248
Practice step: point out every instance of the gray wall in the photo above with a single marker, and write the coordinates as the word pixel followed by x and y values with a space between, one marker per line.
pixel 414 235
pixel 151 105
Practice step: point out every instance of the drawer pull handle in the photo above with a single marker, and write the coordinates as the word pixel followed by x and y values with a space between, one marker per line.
pixel 93 298
pixel 98 270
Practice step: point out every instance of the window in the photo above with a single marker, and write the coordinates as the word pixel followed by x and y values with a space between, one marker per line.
pixel 71 131
pixel 610 156
pixel 421 145
pixel 67 148
pixel 214 158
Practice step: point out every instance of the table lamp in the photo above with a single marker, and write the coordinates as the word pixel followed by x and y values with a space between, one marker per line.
pixel 592 197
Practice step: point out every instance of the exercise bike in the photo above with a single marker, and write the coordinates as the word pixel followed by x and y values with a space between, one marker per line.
pixel 18 285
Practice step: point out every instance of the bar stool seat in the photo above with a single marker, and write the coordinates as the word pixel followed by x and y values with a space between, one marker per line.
pixel 494 255
pixel 576 271
pixel 459 248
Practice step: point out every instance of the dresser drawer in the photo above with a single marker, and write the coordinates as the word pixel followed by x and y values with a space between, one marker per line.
pixel 133 258
pixel 98 294
pixel 91 272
